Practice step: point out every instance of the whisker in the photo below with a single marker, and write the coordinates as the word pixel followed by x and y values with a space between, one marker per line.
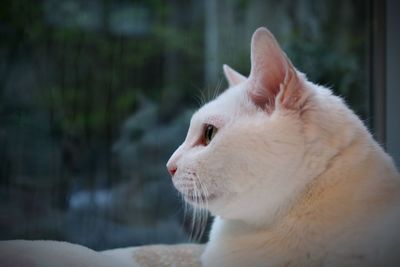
pixel 192 236
pixel 211 93
pixel 197 190
pixel 217 88
pixel 185 213
pixel 195 215
pixel 204 208
pixel 199 98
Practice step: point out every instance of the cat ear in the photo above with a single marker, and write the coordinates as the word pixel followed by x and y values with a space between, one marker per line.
pixel 233 76
pixel 273 79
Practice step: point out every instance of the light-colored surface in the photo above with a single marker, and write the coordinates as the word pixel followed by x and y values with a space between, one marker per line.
pixel 23 253
pixel 183 255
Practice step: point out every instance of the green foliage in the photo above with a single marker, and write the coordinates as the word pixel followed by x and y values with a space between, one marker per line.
pixel 97 74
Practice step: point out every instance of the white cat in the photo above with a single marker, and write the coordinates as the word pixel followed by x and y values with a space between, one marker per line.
pixel 292 175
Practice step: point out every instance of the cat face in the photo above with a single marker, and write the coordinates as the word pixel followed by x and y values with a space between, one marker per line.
pixel 246 152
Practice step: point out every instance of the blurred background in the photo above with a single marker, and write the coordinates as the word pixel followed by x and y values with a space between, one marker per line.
pixel 96 95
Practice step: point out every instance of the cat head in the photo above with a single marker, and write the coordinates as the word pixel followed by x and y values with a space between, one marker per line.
pixel 250 152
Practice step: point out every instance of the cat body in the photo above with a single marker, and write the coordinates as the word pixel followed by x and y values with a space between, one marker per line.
pixel 290 172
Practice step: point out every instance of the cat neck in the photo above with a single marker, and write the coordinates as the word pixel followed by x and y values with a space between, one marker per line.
pixel 360 180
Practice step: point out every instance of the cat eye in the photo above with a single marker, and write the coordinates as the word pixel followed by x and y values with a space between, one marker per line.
pixel 209 133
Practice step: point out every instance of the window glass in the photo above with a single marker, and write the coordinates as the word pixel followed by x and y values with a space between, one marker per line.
pixel 96 95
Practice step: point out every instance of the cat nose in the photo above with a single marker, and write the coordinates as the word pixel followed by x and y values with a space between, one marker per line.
pixel 172 170
pixel 172 164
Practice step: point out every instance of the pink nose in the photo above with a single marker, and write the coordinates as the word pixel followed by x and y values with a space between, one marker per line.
pixel 172 170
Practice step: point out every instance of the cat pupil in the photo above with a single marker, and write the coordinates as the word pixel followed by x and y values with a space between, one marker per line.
pixel 209 133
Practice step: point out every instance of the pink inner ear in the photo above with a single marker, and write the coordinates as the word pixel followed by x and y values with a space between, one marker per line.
pixel 266 85
pixel 293 94
pixel 269 67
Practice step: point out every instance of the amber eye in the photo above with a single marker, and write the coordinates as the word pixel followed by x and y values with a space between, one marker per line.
pixel 209 132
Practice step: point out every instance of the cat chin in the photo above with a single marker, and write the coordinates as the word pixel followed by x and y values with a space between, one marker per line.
pixel 201 200
pixel 215 204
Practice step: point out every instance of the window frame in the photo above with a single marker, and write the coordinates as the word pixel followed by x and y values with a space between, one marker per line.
pixel 393 79
pixel 385 95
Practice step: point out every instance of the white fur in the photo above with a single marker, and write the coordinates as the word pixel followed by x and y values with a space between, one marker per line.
pixel 299 182
pixel 40 253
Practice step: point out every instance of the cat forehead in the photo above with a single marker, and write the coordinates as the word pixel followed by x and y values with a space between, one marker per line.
pixel 230 104
pixel 209 114
pixel 216 118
